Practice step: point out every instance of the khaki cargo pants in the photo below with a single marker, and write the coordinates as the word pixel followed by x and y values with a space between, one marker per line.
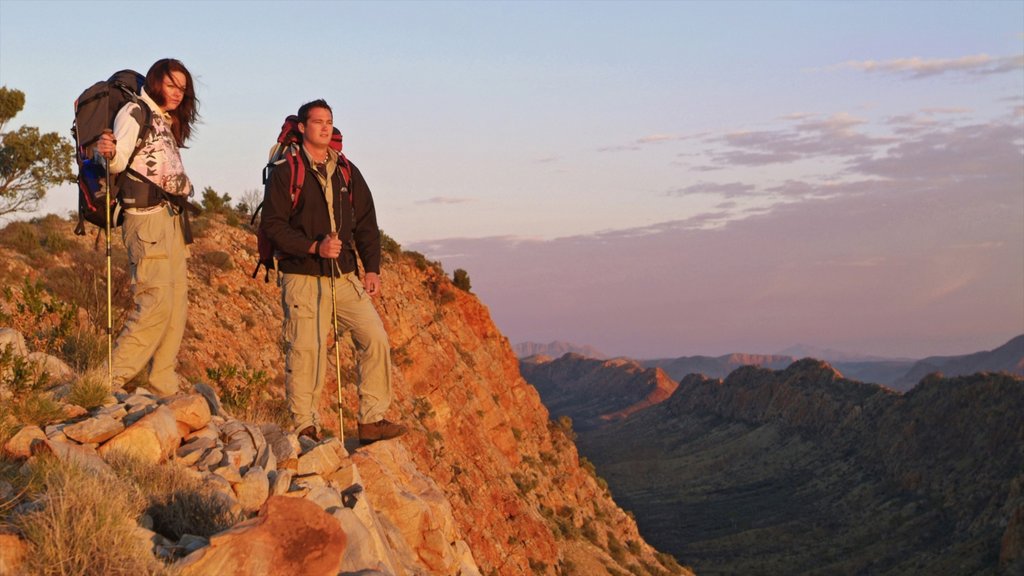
pixel 307 323
pixel 151 337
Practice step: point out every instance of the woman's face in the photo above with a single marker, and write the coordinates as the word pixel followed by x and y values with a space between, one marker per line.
pixel 174 86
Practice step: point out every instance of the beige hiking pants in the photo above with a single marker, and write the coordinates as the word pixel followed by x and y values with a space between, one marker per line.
pixel 307 324
pixel 151 337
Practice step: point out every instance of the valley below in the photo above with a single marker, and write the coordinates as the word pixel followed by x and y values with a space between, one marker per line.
pixel 802 471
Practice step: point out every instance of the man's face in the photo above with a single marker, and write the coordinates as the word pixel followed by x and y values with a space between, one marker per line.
pixel 318 128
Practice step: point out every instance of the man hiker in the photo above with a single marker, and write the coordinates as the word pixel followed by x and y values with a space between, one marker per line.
pixel 315 242
pixel 153 192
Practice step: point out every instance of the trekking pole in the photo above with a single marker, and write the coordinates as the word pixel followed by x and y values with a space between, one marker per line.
pixel 110 323
pixel 337 352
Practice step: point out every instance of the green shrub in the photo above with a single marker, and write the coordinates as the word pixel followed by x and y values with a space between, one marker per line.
pixel 22 238
pixel 461 280
pixel 55 242
pixel 389 246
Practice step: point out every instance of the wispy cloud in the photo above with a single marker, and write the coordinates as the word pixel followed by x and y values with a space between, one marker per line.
pixel 548 159
pixel 446 200
pixel 808 136
pixel 655 138
pixel 915 67
pixel 727 190
pixel 628 148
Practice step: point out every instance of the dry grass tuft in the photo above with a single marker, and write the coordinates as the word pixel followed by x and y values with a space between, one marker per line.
pixel 177 502
pixel 90 390
pixel 83 523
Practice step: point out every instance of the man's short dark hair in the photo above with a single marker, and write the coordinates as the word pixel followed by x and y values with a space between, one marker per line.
pixel 305 108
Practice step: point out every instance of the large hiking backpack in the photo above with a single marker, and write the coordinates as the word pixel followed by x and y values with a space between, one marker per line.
pixel 95 110
pixel 287 150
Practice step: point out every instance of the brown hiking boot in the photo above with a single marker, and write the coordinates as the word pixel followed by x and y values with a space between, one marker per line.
pixel 380 430
pixel 311 433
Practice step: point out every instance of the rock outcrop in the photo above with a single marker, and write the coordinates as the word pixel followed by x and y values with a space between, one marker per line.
pixel 321 517
pixel 593 392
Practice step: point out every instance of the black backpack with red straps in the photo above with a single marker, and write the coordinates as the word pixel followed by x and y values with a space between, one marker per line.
pixel 288 150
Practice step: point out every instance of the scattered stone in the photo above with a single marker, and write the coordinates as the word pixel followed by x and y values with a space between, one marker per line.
pixel 229 473
pixel 209 431
pixel 190 410
pixel 116 411
pixel 72 411
pixel 325 497
pixel 322 458
pixel 212 459
pixel 98 429
pixel 210 395
pixel 285 446
pixel 152 439
pixel 19 446
pixel 253 490
pixel 280 481
pixel 72 453
pixel 190 453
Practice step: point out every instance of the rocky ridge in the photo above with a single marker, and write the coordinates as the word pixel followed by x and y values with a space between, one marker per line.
pixel 513 481
pixel 354 522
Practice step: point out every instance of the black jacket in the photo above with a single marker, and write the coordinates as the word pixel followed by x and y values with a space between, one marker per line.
pixel 291 232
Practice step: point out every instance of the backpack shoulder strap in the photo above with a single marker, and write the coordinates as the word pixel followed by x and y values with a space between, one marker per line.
pixel 144 129
pixel 298 173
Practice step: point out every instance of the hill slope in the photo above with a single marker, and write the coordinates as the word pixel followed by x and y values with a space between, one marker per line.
pixel 514 481
pixel 1007 358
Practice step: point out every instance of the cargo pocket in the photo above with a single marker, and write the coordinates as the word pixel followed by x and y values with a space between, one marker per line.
pixel 300 331
pixel 147 250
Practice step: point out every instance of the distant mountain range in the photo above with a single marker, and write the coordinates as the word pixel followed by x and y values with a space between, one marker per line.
pixel 555 349
pixel 802 471
pixel 897 373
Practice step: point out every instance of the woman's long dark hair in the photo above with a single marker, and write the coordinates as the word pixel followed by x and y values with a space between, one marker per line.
pixel 187 113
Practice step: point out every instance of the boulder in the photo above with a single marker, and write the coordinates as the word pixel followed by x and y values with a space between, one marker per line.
pixel 20 445
pixel 58 370
pixel 153 439
pixel 290 536
pixel 189 409
pixel 13 551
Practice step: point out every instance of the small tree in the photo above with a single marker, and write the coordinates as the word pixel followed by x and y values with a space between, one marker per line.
pixel 461 280
pixel 30 162
pixel 213 202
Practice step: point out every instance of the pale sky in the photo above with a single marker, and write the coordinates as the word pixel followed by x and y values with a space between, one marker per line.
pixel 653 179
